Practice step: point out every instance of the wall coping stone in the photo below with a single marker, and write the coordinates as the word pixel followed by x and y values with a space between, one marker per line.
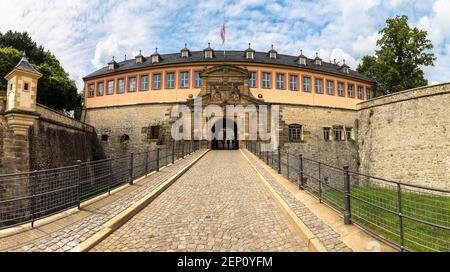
pixel 431 90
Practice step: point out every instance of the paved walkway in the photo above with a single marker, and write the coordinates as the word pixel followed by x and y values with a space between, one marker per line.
pixel 218 205
pixel 66 233
pixel 327 236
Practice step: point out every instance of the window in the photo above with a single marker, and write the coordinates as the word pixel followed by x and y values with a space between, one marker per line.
pixel 100 88
pixel 337 131
pixel 295 132
pixel 340 89
pixel 351 90
pixel 330 87
pixel 326 133
pixel 110 89
pixel 154 132
pixel 198 80
pixel 132 84
pixel 91 90
pixel 307 84
pixel 144 83
pixel 369 94
pixel 121 88
pixel 184 80
pixel 249 55
pixel 170 84
pixel 348 133
pixel 124 139
pixel 157 81
pixel 26 86
pixel 105 138
pixel 266 80
pixel 319 87
pixel 302 61
pixel 293 83
pixel 208 54
pixel 360 92
pixel 155 58
pixel 252 81
pixel 280 81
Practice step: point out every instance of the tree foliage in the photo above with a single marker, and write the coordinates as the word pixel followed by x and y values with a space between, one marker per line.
pixel 9 57
pixel 55 88
pixel 397 65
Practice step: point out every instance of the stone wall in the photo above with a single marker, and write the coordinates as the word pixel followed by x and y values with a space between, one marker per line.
pixel 57 140
pixel 53 141
pixel 313 145
pixel 406 136
pixel 115 124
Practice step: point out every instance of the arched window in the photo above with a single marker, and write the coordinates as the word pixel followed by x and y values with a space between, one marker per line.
pixel 124 139
pixel 295 133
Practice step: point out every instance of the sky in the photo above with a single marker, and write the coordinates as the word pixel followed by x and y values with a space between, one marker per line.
pixel 84 35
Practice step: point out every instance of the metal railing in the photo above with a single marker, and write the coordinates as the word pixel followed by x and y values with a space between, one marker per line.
pixel 408 216
pixel 27 197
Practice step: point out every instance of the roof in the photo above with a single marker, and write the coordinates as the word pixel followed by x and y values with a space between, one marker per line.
pixel 24 65
pixel 230 56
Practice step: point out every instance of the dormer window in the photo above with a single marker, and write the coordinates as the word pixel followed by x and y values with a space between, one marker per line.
pixel 302 59
pixel 345 68
pixel 185 52
pixel 208 52
pixel 139 58
pixel 273 53
pixel 317 60
pixel 249 53
pixel 112 64
pixel 156 57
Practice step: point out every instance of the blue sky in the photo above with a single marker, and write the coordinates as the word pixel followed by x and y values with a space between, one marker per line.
pixel 84 35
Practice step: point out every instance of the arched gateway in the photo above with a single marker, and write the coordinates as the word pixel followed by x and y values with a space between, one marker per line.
pixel 226 85
pixel 225 133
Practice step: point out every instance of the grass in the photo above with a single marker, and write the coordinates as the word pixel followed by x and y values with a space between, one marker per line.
pixel 417 236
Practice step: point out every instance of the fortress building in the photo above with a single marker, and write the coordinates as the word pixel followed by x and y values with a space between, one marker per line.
pixel 129 102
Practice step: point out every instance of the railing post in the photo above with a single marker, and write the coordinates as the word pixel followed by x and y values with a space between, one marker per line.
pixel 400 216
pixel 287 163
pixel 173 152
pixel 300 172
pixel 33 197
pixel 271 156
pixel 320 183
pixel 279 160
pixel 165 155
pixel 131 168
pixel 79 183
pixel 347 208
pixel 182 150
pixel 157 159
pixel 146 163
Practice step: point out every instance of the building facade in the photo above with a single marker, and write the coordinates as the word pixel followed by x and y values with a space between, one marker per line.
pixel 129 103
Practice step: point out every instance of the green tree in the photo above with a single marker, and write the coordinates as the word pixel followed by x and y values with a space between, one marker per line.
pixel 9 57
pixel 55 88
pixel 398 64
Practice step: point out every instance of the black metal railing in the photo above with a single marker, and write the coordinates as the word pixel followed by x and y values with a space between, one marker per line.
pixel 408 216
pixel 27 197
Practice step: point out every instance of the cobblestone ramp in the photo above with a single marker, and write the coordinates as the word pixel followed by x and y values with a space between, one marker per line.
pixel 329 238
pixel 218 205
pixel 68 238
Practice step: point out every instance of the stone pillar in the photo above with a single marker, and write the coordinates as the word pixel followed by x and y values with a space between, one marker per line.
pixel 19 115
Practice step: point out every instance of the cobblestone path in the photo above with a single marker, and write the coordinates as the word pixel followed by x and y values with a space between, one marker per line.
pixel 218 205
pixel 330 239
pixel 70 237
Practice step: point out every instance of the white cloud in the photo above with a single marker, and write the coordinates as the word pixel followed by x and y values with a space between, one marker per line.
pixel 84 35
